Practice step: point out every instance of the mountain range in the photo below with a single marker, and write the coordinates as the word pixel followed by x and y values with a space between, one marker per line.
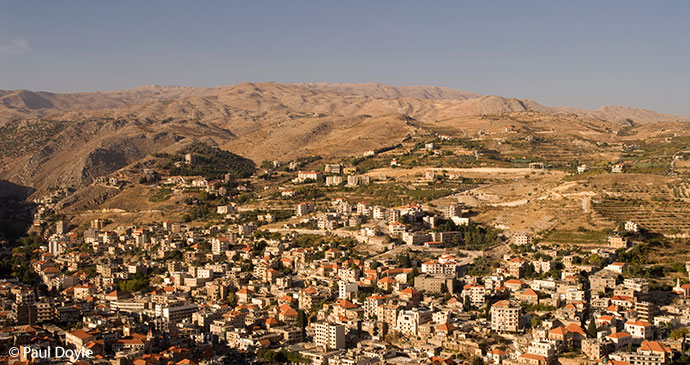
pixel 50 139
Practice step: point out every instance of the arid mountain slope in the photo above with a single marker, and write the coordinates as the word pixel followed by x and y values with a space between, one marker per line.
pixel 268 97
pixel 68 140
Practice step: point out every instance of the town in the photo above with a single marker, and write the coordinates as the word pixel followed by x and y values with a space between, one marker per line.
pixel 335 281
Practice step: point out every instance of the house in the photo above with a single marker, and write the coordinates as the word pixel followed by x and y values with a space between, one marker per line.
pixel 304 208
pixel 620 340
pixel 513 284
pixel 396 228
pixel 532 359
pixel 386 283
pixel 521 239
pixel 410 294
pixel 303 176
pixel 617 168
pixel 445 330
pixel 632 227
pixel 656 348
pixel 287 314
pixel 516 267
pixel 244 294
pixel 682 289
pixel 78 338
pixel 640 330
pixel 528 296
pixel 496 356
pixel 616 267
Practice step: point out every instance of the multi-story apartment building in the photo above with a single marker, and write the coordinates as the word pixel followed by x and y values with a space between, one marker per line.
pixel 476 294
pixel 410 320
pixel 505 317
pixel 328 335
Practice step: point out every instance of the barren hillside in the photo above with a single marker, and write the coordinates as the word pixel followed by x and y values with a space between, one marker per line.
pixel 70 139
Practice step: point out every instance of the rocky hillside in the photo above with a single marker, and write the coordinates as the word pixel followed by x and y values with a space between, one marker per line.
pixel 68 140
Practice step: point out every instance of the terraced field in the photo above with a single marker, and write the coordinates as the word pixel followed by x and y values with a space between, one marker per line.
pixel 669 216
pixel 681 191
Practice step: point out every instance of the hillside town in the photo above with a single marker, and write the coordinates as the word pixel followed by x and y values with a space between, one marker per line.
pixel 345 182
pixel 341 283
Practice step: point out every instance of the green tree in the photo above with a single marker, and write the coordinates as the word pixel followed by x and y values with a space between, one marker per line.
pixel 679 333
pixel 301 319
pixel 535 321
pixel 403 260
pixel 232 300
pixel 592 329
pixel 477 361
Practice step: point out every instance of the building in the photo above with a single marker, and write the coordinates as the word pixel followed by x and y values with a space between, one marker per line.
pixel 304 208
pixel 532 359
pixel 640 330
pixel 78 338
pixel 521 239
pixel 596 348
pixel 409 321
pixel 415 238
pixel 246 229
pixel 632 227
pixel 329 336
pixel 396 228
pixel 476 294
pixel 446 268
pixel 453 210
pixel 505 317
pixel 61 227
pixel 308 175
pixel 435 283
pixel 334 180
pixel 616 267
pixel 347 291
pixel 176 312
pixel 599 283
pixel 44 312
pixel 656 348
pixel 617 242
pixel 620 340
pixel 219 245
pixel 516 267
pixel 333 168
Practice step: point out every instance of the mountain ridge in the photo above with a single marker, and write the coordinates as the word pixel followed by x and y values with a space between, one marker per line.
pixel 26 104
pixel 70 140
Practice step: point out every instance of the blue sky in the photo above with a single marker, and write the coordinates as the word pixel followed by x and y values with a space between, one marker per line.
pixel 576 53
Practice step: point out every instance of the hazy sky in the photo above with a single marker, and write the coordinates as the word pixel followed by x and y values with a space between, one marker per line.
pixel 578 53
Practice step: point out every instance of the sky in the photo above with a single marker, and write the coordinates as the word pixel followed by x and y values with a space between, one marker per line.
pixel 559 53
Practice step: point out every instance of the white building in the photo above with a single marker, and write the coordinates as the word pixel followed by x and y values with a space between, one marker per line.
pixel 408 321
pixel 396 228
pixel 308 175
pixel 329 336
pixel 347 291
pixel 505 317
pixel 521 239
pixel 334 180
pixel 632 226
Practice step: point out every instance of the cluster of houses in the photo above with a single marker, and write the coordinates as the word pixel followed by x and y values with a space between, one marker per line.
pixel 189 294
